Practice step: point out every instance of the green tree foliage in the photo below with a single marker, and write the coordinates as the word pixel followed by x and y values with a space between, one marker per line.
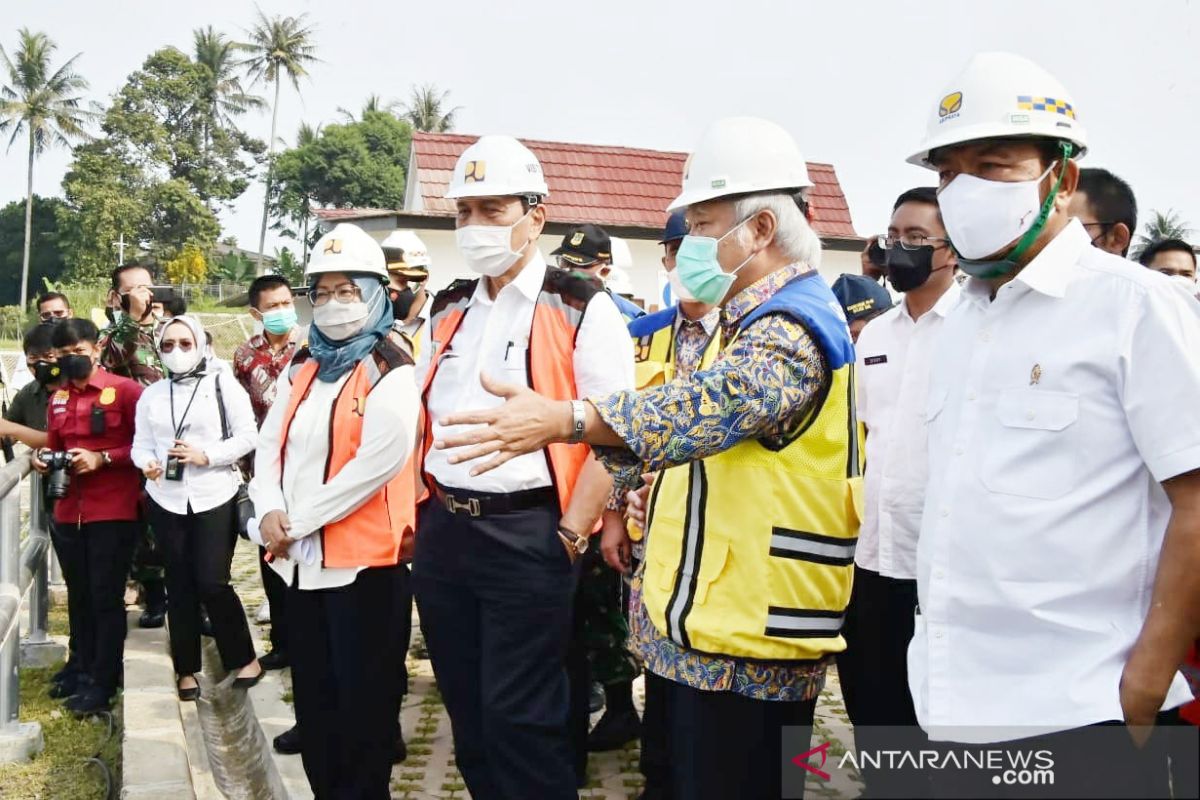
pixel 426 109
pixel 289 266
pixel 1161 226
pixel 232 268
pixel 356 164
pixel 47 263
pixel 106 199
pixel 43 104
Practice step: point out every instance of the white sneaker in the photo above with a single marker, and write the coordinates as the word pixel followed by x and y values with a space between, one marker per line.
pixel 264 613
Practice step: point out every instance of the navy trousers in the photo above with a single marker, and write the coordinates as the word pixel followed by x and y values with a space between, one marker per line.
pixel 494 595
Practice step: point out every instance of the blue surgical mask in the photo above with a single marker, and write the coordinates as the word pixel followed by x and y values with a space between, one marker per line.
pixel 700 271
pixel 279 321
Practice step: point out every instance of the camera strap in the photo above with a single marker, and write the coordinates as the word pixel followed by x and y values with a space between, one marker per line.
pixel 178 426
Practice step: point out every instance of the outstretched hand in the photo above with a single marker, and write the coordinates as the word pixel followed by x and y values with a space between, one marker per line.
pixel 525 423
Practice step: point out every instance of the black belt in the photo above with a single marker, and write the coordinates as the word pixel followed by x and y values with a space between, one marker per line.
pixel 483 504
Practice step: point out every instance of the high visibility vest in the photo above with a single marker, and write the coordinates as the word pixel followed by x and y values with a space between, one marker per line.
pixel 375 533
pixel 751 551
pixel 654 348
pixel 556 318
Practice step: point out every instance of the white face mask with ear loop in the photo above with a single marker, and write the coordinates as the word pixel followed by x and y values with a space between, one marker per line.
pixel 983 217
pixel 487 249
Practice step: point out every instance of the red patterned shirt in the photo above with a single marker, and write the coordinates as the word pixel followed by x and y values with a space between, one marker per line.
pixel 257 367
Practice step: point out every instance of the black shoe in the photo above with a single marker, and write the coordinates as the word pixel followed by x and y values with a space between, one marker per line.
pixel 71 671
pixel 276 659
pixel 249 683
pixel 92 700
pixel 614 730
pixel 401 751
pixel 153 617
pixel 70 686
pixel 288 742
pixel 188 695
pixel 596 698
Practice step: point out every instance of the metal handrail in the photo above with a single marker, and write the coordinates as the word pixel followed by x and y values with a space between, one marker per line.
pixel 23 565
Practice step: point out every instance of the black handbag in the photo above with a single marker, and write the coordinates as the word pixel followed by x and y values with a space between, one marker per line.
pixel 243 507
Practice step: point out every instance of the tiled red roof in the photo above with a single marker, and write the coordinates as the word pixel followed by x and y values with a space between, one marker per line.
pixel 606 185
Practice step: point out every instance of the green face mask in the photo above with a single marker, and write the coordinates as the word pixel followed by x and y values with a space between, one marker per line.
pixel 1009 263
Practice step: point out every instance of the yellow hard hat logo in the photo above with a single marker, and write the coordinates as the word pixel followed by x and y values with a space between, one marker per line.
pixel 950 104
pixel 333 246
pixel 475 171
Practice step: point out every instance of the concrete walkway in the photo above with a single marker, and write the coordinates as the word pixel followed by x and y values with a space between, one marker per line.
pixel 429 771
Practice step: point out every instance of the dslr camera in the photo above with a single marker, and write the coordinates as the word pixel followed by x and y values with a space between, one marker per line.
pixel 58 478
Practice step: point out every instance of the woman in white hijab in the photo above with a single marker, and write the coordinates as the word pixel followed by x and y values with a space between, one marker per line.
pixel 190 431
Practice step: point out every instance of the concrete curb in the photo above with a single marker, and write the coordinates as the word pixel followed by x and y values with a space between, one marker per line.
pixel 154 755
pixel 275 715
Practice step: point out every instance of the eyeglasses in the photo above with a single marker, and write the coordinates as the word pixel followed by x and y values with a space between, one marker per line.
pixel 46 316
pixel 910 242
pixel 346 293
pixel 169 345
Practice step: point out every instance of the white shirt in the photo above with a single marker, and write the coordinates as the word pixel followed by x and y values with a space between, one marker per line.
pixel 298 486
pixel 494 335
pixel 1055 412
pixel 203 488
pixel 894 355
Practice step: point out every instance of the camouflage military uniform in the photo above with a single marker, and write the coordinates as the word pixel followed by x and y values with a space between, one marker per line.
pixel 603 597
pixel 127 349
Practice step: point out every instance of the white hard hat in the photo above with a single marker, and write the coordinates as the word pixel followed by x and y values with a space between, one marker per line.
pixel 622 258
pixel 415 254
pixel 738 155
pixel 1001 95
pixel 346 248
pixel 497 166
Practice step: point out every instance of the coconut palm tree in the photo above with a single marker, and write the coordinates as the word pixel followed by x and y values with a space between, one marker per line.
pixel 44 104
pixel 1162 226
pixel 223 97
pixel 279 47
pixel 374 102
pixel 425 109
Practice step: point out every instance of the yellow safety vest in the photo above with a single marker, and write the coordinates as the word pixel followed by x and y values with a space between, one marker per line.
pixel 751 551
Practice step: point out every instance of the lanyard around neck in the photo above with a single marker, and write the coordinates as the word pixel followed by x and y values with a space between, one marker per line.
pixel 178 426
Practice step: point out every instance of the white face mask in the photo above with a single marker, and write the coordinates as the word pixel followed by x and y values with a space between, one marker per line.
pixel 678 289
pixel 181 362
pixel 340 321
pixel 487 249
pixel 984 217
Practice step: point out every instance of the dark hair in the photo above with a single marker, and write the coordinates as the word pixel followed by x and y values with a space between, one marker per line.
pixel 115 278
pixel 265 283
pixel 48 296
pixel 176 305
pixel 1110 198
pixel 39 338
pixel 72 331
pixel 1165 246
pixel 921 194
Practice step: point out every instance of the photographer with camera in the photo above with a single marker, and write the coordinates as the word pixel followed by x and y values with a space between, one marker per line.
pixel 97 488
pixel 191 430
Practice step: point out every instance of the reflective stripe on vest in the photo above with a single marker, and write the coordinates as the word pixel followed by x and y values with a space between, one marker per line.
pixel 773 584
pixel 372 534
pixel 551 360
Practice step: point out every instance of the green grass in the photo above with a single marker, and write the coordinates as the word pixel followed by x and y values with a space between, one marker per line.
pixel 61 771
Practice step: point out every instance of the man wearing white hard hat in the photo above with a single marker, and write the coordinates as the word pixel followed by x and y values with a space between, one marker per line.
pixel 751 543
pixel 1060 541
pixel 333 491
pixel 408 265
pixel 494 569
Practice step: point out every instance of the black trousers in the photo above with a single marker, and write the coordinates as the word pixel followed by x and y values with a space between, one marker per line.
pixel 68 548
pixel 276 591
pixel 100 560
pixel 494 595
pixel 655 760
pixel 198 548
pixel 344 677
pixel 873 671
pixel 724 745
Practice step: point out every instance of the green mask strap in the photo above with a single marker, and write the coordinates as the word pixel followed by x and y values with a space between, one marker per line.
pixel 1007 264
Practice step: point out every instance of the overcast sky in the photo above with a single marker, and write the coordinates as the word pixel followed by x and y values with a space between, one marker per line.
pixel 851 80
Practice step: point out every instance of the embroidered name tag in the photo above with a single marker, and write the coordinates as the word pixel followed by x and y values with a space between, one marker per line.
pixel 869 360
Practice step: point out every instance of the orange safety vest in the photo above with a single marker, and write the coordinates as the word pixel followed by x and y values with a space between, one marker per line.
pixel 375 533
pixel 556 319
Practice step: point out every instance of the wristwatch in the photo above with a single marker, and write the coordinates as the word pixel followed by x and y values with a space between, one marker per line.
pixel 578 421
pixel 576 545
pixel 107 458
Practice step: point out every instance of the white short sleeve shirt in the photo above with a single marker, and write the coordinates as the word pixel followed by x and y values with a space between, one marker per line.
pixel 894 355
pixel 1054 413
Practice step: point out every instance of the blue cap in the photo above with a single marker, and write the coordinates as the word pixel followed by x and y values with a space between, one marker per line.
pixel 675 229
pixel 861 297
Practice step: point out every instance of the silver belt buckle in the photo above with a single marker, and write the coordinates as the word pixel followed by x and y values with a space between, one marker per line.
pixel 454 505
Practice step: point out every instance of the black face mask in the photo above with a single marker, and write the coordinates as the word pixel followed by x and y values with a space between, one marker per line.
pixel 402 301
pixel 46 373
pixel 76 367
pixel 909 269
